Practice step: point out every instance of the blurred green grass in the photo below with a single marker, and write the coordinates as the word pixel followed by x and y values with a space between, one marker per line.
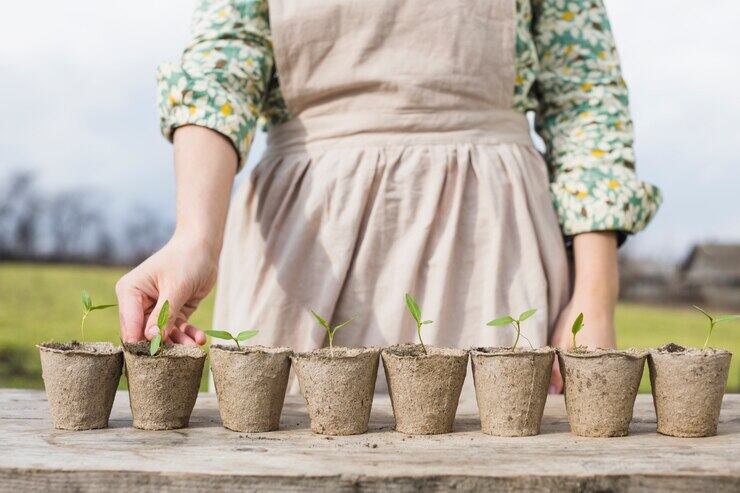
pixel 42 302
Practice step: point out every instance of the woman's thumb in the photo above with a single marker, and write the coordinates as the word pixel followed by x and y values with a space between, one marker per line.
pixel 163 314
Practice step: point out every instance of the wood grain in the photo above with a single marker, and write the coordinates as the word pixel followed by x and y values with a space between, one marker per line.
pixel 35 457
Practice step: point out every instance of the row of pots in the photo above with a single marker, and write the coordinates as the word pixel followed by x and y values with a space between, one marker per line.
pixel 338 385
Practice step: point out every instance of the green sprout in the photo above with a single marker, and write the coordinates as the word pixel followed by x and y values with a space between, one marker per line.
pixel 577 326
pixel 87 307
pixel 714 321
pixel 416 313
pixel 516 322
pixel 156 343
pixel 329 329
pixel 226 336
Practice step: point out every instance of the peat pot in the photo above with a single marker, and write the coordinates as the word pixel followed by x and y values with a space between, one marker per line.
pixel 688 386
pixel 250 385
pixel 163 388
pixel 600 389
pixel 424 388
pixel 511 388
pixel 338 387
pixel 81 381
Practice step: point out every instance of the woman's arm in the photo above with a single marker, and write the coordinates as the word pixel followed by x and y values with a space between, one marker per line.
pixel 184 270
pixel 595 292
pixel 209 103
pixel 584 119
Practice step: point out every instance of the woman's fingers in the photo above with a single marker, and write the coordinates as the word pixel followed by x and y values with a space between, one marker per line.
pixel 132 304
pixel 194 333
pixel 184 333
pixel 178 337
pixel 176 301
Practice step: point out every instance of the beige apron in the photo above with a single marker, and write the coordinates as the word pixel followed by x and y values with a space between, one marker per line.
pixel 404 169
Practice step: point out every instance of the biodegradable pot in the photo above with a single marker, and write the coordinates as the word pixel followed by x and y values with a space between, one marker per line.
pixel 250 385
pixel 424 388
pixel 81 382
pixel 688 385
pixel 338 389
pixel 600 389
pixel 511 388
pixel 162 389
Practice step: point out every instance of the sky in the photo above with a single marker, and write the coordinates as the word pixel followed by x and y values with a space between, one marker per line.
pixel 77 93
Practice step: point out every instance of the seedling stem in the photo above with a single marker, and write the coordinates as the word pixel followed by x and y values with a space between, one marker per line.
pixel 575 329
pixel 87 307
pixel 714 321
pixel 413 307
pixel 516 323
pixel 241 336
pixel 330 331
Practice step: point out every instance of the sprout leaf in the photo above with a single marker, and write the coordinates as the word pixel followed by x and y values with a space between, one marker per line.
pixel 413 308
pixel 164 315
pixel 219 334
pixel 154 345
pixel 498 322
pixel 524 316
pixel 577 324
pixel 86 300
pixel 247 334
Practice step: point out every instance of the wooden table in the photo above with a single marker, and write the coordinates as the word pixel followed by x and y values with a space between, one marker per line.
pixel 35 457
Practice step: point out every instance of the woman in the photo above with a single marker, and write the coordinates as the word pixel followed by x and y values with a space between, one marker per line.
pixel 399 160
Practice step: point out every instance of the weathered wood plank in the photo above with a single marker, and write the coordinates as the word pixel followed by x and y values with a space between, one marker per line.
pixel 33 456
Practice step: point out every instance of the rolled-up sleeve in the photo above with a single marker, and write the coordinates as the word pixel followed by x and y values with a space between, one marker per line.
pixel 584 119
pixel 224 73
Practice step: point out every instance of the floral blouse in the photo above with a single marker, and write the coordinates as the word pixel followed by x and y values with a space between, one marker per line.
pixel 567 72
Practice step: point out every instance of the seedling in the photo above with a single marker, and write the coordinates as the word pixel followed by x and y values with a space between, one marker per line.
pixel 416 313
pixel 226 336
pixel 577 326
pixel 88 307
pixel 515 322
pixel 330 331
pixel 164 314
pixel 714 321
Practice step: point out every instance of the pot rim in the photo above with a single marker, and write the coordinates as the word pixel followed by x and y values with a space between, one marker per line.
pixel 493 351
pixel 681 351
pixel 255 349
pixel 440 352
pixel 107 348
pixel 632 353
pixel 323 353
pixel 192 352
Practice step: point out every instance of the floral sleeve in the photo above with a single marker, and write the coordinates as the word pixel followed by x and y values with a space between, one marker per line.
pixel 221 80
pixel 585 122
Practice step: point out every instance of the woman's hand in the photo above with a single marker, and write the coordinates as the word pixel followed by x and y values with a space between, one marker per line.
pixel 181 272
pixel 595 293
pixel 184 270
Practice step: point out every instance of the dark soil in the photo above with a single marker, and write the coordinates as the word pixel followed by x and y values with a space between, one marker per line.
pixel 167 350
pixel 415 351
pixel 249 349
pixel 81 347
